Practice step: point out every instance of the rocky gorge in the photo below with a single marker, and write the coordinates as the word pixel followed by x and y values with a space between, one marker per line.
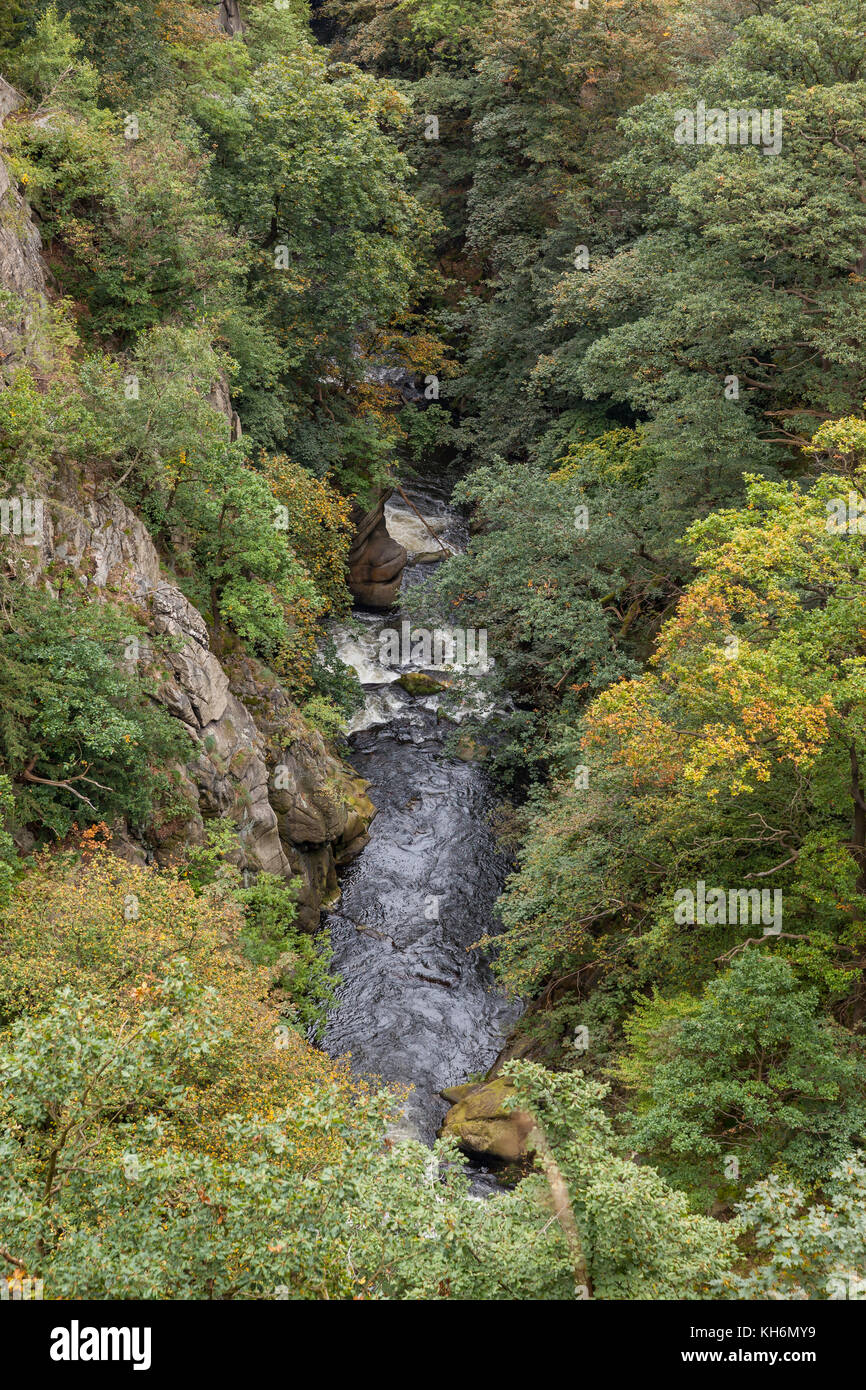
pixel 301 822
pixel 417 1006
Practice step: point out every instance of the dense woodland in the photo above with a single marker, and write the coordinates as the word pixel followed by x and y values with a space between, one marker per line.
pixel 649 360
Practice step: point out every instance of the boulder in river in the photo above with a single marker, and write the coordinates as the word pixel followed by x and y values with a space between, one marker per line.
pixel 417 683
pixel 376 561
pixel 481 1123
pixel 419 535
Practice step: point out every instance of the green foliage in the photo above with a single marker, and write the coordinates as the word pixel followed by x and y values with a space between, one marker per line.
pixel 204 500
pixel 564 573
pixel 316 183
pixel 748 265
pixel 694 771
pixel 14 21
pixel 48 60
pixel 636 1234
pixel 551 83
pixel 131 230
pixel 320 713
pixel 337 685
pixel 127 40
pixel 757 1074
pixel 80 740
pixel 100 1197
pixel 652 1033
pixel 299 963
pixel 302 962
pixel 41 426
pixel 204 864
pixel 9 862
pixel 803 1250
pixel 258 215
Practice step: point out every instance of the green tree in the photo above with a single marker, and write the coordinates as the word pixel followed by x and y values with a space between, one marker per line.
pixel 129 223
pixel 758 1074
pixel 803 1249
pixel 314 180
pixel 80 737
pixel 746 275
pixel 302 962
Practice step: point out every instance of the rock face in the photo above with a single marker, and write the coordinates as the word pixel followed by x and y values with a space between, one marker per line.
pixel 101 538
pixel 376 560
pixel 299 811
pixel 481 1124
pixel 220 399
pixel 21 268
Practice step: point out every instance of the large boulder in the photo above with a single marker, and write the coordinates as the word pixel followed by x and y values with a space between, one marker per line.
pixel 376 560
pixel 481 1123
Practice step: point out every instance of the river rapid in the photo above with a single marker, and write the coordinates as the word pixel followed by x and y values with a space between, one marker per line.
pixel 416 1007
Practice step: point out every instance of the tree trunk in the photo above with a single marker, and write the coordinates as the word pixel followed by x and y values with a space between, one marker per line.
pixel 858 844
pixel 562 1208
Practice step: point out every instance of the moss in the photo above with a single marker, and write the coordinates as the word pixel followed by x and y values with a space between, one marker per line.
pixel 468 750
pixel 481 1122
pixel 415 683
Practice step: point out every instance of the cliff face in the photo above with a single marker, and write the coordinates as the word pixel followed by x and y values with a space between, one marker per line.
pixel 21 268
pixel 376 560
pixel 299 810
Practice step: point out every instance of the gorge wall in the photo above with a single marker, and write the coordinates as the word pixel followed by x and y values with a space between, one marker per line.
pixel 300 811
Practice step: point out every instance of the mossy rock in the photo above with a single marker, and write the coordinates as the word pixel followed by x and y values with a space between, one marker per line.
pixel 481 1124
pixel 416 683
pixel 469 750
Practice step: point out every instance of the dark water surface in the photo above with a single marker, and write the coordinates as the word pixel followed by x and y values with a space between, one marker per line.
pixel 416 1007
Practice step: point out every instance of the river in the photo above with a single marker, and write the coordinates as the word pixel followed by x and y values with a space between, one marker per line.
pixel 417 1006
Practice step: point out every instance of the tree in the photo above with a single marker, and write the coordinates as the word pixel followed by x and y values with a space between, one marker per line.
pixel 99 1200
pixel 314 180
pixel 552 81
pixel 804 1250
pixel 734 320
pixel 130 227
pixel 87 922
pixel 635 1235
pixel 753 703
pixel 99 1203
pixel 536 574
pixel 733 759
pixel 758 1076
pixel 80 738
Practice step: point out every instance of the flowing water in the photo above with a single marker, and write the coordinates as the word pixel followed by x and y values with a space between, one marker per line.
pixel 417 1006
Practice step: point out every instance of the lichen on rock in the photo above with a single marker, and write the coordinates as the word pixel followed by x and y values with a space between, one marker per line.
pixel 482 1123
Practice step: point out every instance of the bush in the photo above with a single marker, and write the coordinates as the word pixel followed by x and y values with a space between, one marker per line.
pixel 80 738
pixel 758 1074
